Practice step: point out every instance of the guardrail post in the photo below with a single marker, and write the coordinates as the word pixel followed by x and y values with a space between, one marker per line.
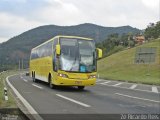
pixel 5 94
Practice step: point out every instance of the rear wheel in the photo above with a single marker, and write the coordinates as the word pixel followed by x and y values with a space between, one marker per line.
pixel 33 77
pixel 81 87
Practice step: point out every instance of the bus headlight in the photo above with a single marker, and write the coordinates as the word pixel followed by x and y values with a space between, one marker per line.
pixel 62 75
pixel 92 76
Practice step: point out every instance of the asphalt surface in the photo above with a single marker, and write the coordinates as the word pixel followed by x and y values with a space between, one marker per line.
pixel 105 100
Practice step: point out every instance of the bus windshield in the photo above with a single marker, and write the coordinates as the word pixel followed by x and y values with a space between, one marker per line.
pixel 77 55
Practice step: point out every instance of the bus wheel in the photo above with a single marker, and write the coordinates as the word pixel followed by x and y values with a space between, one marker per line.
pixel 81 87
pixel 50 83
pixel 33 77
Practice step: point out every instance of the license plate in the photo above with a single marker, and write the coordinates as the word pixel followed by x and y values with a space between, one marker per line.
pixel 78 82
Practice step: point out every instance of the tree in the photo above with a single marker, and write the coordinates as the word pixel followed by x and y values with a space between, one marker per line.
pixel 152 31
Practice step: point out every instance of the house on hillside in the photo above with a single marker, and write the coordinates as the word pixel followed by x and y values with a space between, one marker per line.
pixel 140 39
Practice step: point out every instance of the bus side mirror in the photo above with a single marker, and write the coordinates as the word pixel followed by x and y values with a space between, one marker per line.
pixel 99 53
pixel 58 49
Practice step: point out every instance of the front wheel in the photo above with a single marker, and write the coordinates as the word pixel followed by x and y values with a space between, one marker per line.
pixel 81 87
pixel 50 83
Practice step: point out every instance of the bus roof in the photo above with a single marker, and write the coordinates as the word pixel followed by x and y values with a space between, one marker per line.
pixel 75 37
pixel 63 36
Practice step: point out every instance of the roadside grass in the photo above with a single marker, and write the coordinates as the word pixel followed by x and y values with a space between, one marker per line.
pixel 11 101
pixel 121 66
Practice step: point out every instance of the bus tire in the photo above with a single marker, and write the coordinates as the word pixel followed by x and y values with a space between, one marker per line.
pixel 50 83
pixel 81 87
pixel 33 77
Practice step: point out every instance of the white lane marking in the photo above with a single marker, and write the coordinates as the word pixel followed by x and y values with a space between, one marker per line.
pixel 72 100
pixel 133 86
pixel 30 109
pixel 25 80
pixel 104 83
pixel 117 84
pixel 37 86
pixel 130 88
pixel 137 98
pixel 98 80
pixel 154 89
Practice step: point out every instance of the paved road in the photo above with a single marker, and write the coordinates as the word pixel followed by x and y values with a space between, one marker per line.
pixel 106 97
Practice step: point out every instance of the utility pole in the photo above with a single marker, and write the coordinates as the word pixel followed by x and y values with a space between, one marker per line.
pixel 19 66
pixel 22 64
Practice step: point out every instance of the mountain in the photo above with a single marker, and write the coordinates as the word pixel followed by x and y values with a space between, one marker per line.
pixel 19 47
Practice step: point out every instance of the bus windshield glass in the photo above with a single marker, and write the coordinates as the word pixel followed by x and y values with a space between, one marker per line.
pixel 77 55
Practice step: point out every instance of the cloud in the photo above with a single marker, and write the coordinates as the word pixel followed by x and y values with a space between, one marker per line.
pixel 20 1
pixel 151 3
pixel 12 25
pixel 11 21
pixel 60 13
pixel 104 12
pixel 2 39
pixel 21 15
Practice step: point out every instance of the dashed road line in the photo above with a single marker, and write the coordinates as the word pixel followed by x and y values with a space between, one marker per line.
pixel 25 80
pixel 117 84
pixel 133 86
pixel 72 100
pixel 37 86
pixel 104 83
pixel 98 80
pixel 154 89
pixel 129 88
pixel 137 98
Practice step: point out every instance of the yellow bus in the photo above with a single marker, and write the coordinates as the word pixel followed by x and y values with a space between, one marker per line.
pixel 65 61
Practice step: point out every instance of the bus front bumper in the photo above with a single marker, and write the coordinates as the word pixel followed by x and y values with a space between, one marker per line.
pixel 74 82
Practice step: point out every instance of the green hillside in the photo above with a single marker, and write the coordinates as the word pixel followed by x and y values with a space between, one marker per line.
pixel 121 66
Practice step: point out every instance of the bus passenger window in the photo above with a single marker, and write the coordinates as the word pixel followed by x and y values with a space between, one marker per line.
pixel 55 61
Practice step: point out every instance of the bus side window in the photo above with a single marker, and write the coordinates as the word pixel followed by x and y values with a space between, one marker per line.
pixel 55 62
pixel 54 55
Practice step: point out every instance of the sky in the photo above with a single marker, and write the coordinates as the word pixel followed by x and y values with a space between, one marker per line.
pixel 18 16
